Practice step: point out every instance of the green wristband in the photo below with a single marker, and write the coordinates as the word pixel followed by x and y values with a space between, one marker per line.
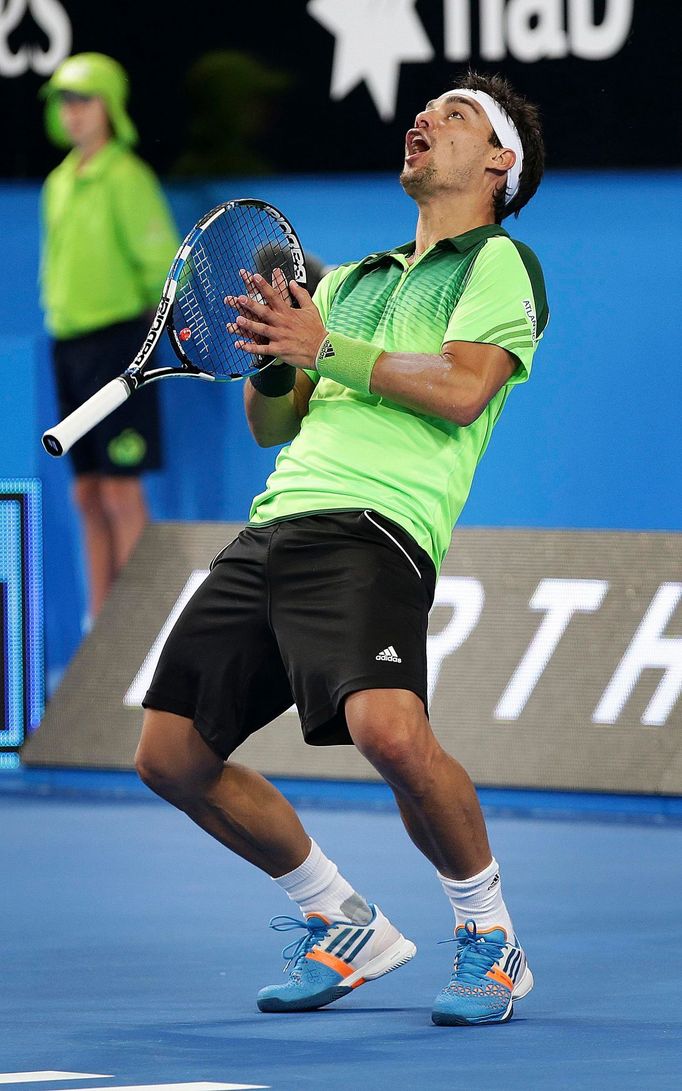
pixel 347 361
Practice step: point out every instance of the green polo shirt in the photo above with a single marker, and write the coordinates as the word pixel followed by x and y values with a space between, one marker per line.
pixel 108 241
pixel 357 450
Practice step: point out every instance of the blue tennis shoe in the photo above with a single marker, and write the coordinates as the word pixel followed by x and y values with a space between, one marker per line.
pixel 332 958
pixel 489 973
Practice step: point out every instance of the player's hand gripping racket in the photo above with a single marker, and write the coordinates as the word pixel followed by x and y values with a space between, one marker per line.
pixel 238 235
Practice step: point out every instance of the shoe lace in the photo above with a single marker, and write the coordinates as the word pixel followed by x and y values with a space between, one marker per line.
pixel 315 930
pixel 475 954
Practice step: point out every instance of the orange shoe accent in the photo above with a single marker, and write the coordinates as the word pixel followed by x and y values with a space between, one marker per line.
pixel 334 963
pixel 501 977
pixel 322 918
pixel 485 932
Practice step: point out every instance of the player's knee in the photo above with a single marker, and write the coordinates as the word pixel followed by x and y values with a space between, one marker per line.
pixel 173 760
pixel 392 738
pixel 160 773
pixel 389 752
pixel 149 770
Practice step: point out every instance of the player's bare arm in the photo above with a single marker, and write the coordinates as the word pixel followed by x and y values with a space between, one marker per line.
pixel 277 420
pixel 455 385
pixel 271 420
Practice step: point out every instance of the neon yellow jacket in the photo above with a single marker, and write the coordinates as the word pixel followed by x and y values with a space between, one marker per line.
pixel 108 241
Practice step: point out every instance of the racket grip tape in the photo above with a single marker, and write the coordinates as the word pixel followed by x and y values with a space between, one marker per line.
pixel 60 439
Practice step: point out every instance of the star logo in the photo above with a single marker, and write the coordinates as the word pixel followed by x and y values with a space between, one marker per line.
pixel 373 39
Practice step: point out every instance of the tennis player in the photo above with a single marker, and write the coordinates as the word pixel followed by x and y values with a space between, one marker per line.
pixel 388 385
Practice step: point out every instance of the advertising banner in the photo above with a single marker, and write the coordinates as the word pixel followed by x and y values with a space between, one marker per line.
pixel 334 84
pixel 555 660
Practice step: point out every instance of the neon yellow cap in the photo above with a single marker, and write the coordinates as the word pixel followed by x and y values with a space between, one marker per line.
pixel 92 74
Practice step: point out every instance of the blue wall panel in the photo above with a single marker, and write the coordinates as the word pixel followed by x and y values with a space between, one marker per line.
pixel 592 441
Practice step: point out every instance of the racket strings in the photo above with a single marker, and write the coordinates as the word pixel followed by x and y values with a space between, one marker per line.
pixel 243 237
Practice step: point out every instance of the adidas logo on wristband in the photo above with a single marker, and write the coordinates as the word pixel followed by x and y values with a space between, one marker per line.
pixel 326 351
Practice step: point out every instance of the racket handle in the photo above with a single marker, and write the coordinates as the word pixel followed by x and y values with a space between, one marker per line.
pixel 60 439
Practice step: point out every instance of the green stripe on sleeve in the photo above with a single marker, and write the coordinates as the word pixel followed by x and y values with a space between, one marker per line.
pixel 525 344
pixel 505 327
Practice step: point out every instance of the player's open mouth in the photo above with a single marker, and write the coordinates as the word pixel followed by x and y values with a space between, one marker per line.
pixel 416 144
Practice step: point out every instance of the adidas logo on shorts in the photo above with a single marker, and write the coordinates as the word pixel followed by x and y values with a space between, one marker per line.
pixel 389 655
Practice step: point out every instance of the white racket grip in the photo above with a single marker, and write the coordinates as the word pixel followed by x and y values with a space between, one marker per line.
pixel 60 439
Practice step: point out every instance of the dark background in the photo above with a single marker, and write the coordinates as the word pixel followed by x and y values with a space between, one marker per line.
pixel 620 112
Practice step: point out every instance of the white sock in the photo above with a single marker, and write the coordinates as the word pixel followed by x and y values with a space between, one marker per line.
pixel 480 899
pixel 317 887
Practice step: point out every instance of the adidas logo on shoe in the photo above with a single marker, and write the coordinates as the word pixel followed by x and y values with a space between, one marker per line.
pixel 389 655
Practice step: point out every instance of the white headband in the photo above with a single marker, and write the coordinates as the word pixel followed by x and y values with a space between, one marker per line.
pixel 506 132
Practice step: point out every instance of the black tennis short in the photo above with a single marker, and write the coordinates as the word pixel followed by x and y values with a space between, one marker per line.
pixel 304 611
pixel 127 442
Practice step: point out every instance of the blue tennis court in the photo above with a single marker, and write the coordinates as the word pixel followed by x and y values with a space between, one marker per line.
pixel 133 947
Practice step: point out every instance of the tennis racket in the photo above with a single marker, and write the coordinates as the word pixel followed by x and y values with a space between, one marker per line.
pixel 237 235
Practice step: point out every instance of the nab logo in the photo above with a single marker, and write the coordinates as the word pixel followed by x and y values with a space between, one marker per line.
pixel 528 32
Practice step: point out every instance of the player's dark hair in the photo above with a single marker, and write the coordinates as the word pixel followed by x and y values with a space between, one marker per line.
pixel 526 118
